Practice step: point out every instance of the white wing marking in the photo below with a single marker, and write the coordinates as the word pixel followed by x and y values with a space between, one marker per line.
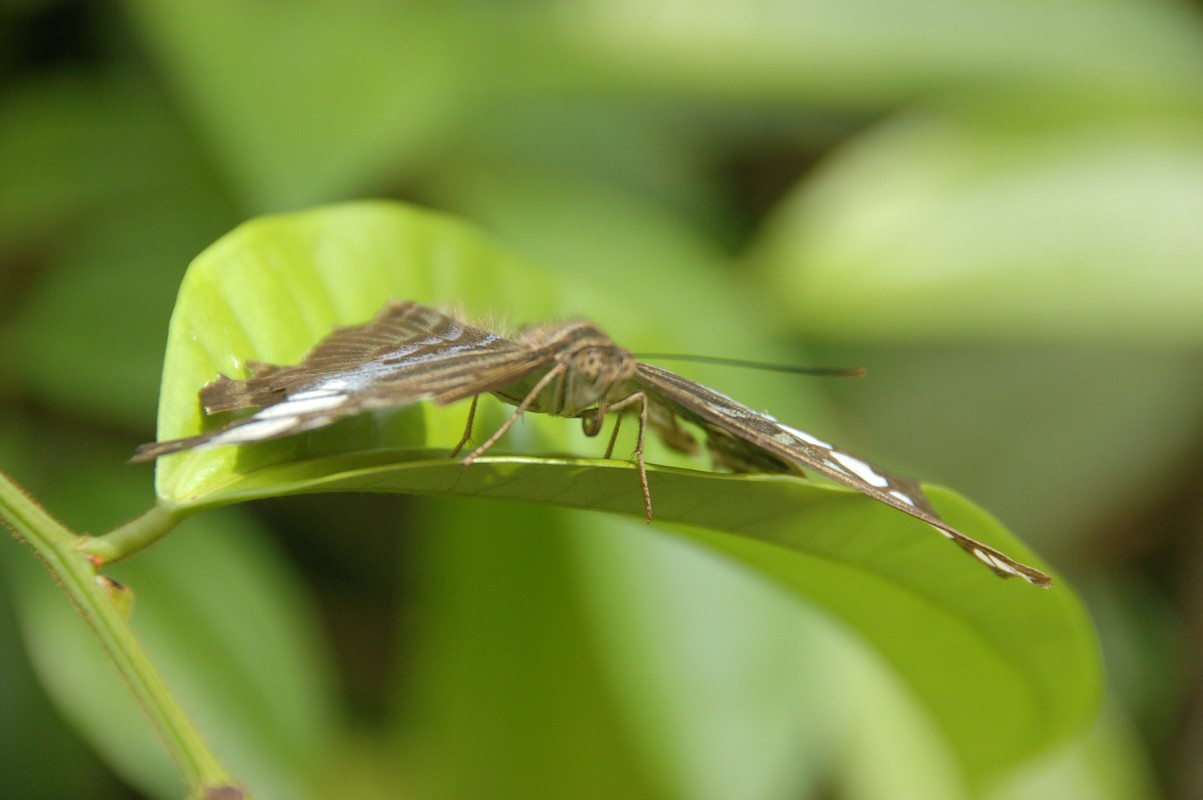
pixel 862 470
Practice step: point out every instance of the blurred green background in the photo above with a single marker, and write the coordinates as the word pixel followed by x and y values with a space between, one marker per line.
pixel 995 207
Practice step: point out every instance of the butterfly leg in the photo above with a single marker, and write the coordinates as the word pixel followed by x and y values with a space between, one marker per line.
pixel 640 398
pixel 467 428
pixel 613 436
pixel 543 383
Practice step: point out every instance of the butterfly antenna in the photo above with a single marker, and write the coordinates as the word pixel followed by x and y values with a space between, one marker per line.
pixel 838 372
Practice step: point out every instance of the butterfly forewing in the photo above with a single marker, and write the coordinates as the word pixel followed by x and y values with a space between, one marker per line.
pixel 407 353
pixel 739 427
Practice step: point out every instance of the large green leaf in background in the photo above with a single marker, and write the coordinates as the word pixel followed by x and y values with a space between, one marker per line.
pixel 100 171
pixel 948 226
pixel 305 102
pixel 875 50
pixel 1003 668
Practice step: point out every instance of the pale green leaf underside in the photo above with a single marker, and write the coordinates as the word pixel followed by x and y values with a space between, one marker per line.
pixel 1004 668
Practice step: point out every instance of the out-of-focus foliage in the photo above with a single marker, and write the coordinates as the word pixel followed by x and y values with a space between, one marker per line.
pixel 992 206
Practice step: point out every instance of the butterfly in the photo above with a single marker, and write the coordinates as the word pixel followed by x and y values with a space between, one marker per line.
pixel 410 352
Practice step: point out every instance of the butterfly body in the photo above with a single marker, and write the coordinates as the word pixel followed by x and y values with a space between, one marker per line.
pixel 590 369
pixel 411 353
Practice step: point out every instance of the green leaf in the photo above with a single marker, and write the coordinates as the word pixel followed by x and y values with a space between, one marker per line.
pixel 117 260
pixel 978 226
pixel 732 687
pixel 1003 668
pixel 74 141
pixel 876 51
pixel 501 668
pixel 308 101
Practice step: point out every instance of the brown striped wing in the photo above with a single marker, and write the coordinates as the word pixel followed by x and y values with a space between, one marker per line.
pixel 409 352
pixel 750 441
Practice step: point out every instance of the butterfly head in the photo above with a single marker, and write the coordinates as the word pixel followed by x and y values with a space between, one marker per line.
pixel 596 370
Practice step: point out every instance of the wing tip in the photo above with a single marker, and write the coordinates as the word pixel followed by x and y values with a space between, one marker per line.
pixel 152 450
pixel 1006 567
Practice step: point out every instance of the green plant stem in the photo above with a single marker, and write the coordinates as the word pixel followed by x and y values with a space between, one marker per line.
pixel 61 552
pixel 126 539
